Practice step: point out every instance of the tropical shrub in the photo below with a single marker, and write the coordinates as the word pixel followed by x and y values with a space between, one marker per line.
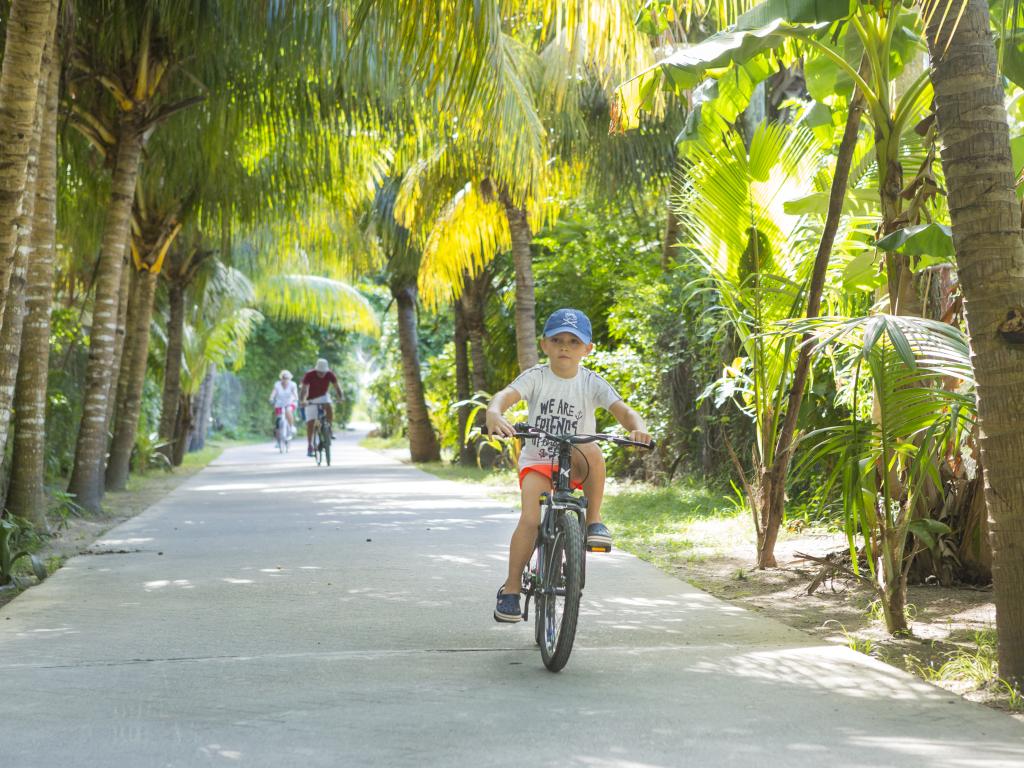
pixel 909 384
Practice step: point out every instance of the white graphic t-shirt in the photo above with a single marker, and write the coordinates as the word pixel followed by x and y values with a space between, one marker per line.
pixel 562 406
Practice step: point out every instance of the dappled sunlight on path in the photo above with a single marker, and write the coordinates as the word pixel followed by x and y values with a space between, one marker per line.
pixel 271 612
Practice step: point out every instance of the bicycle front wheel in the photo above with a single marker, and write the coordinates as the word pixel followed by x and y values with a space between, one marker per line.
pixel 318 448
pixel 325 441
pixel 561 586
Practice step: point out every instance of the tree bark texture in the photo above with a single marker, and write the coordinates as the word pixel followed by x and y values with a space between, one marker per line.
pixel 463 389
pixel 30 26
pixel 25 496
pixel 474 299
pixel 128 310
pixel 203 408
pixel 670 245
pixel 90 451
pixel 990 256
pixel 183 430
pixel 423 444
pixel 172 366
pixel 137 352
pixel 14 306
pixel 778 471
pixel 526 303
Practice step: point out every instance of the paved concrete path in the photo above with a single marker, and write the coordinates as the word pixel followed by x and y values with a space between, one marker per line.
pixel 272 613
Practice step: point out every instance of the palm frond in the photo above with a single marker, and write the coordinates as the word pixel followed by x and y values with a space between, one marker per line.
pixel 318 300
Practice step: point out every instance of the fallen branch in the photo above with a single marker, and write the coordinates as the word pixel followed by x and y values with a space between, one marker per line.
pixel 830 567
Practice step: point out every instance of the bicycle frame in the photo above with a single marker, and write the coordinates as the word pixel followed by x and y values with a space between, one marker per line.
pixel 560 498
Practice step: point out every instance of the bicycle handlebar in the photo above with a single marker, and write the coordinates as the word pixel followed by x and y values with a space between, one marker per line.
pixel 525 431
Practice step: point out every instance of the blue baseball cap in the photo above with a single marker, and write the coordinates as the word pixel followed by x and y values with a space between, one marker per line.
pixel 568 321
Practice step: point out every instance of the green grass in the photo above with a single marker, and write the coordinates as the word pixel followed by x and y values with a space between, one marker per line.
pixel 657 523
pixel 978 665
pixel 191 463
pixel 384 443
pixel 501 478
pixel 685 519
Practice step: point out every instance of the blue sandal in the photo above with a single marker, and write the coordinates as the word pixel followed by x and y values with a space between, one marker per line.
pixel 507 609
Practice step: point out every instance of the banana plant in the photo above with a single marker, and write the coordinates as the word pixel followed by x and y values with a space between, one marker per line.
pixel 908 383
pixel 844 46
pixel 757 260
pixel 507 449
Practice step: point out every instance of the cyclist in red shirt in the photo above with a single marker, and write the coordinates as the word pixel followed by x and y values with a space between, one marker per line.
pixel 316 386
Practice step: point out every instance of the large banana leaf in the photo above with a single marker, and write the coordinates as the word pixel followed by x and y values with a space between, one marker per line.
pixel 765 27
pixel 687 67
pixel 1008 21
pixel 794 12
pixel 931 239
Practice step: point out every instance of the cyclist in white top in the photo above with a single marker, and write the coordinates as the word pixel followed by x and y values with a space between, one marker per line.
pixel 285 398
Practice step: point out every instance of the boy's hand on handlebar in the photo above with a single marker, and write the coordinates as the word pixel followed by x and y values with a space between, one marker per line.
pixel 497 425
pixel 639 436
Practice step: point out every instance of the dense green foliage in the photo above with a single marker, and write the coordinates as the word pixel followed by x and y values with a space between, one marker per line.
pixel 292 346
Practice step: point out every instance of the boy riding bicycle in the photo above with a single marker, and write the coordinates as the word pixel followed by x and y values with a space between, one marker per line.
pixel 562 397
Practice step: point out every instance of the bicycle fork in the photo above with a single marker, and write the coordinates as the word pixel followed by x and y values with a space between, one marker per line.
pixel 534 579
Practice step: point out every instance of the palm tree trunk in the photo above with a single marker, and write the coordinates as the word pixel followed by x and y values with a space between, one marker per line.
pixel 463 390
pixel 90 451
pixel 30 27
pixel 422 441
pixel 14 307
pixel 25 495
pixel 987 236
pixel 183 429
pixel 474 299
pixel 137 341
pixel 10 333
pixel 172 366
pixel 670 245
pixel 526 302
pixel 772 515
pixel 204 408
pixel 128 302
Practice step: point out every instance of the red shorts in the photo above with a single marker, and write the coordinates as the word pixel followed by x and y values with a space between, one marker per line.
pixel 278 411
pixel 544 469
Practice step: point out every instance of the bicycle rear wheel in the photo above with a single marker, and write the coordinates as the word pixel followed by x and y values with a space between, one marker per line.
pixel 559 607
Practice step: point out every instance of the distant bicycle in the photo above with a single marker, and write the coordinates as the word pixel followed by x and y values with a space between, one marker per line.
pixel 282 431
pixel 321 437
pixel 555 578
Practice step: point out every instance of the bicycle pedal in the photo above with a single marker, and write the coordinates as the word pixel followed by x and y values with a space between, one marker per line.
pixel 599 547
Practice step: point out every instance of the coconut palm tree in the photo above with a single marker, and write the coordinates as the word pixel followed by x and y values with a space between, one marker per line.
pixel 402 269
pixel 142 65
pixel 504 69
pixel 184 261
pixel 123 96
pixel 155 232
pixel 30 28
pixel 26 487
pixel 28 238
pixel 987 234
